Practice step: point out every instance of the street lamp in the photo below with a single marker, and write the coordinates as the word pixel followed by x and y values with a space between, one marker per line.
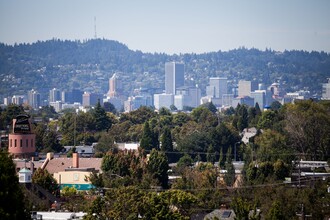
pixel 235 150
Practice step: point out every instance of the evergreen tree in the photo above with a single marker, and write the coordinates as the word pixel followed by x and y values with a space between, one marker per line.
pixel 157 167
pixel 230 175
pixel 210 156
pixel 146 140
pixel 102 121
pixel 44 179
pixel 166 140
pixel 11 195
pixel 243 120
pixel 258 110
pixel 221 159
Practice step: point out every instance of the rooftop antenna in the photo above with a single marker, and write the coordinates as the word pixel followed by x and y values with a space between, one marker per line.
pixel 95 35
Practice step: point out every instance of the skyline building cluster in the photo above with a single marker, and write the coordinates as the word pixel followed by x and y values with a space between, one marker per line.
pixel 175 96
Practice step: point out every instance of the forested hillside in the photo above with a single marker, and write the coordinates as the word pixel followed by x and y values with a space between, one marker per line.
pixel 88 65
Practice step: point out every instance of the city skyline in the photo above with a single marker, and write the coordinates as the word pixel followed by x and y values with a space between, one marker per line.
pixel 172 26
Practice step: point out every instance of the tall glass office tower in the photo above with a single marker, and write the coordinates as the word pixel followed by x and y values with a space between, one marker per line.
pixel 174 76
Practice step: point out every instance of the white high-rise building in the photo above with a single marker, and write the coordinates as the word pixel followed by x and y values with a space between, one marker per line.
pixel 55 95
pixel 163 100
pixel 174 77
pixel 217 87
pixel 259 97
pixel 33 99
pixel 246 87
pixel 326 90
pixel 187 96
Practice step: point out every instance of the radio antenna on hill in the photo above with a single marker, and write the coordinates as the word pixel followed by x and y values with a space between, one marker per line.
pixel 95 35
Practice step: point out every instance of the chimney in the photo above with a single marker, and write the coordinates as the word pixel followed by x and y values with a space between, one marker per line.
pixel 32 166
pixel 75 160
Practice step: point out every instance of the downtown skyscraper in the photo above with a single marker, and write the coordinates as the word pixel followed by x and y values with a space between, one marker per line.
pixel 174 77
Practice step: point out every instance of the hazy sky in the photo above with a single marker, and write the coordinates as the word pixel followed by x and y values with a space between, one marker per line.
pixel 172 26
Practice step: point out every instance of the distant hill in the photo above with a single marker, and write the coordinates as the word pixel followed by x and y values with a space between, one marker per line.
pixel 89 64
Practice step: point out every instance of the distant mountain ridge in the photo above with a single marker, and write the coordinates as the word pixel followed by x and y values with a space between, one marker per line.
pixel 89 64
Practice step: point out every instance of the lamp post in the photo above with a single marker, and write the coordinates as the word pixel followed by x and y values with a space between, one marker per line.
pixel 235 150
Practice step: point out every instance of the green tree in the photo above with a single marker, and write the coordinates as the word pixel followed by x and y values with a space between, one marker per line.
pixel 50 141
pixel 275 212
pixel 243 119
pixel 102 121
pixel 44 179
pixel 166 140
pixel 11 195
pixel 241 208
pixel 210 155
pixel 230 174
pixel 185 161
pixel 109 107
pixel 146 141
pixel 106 143
pixel 311 135
pixel 275 105
pixel 157 167
pixel 9 114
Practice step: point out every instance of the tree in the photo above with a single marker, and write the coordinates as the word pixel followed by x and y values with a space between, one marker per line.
pixel 11 194
pixel 146 141
pixel 311 135
pixel 157 167
pixel 44 179
pixel 241 208
pixel 275 105
pixel 185 161
pixel 9 114
pixel 230 174
pixel 210 156
pixel 50 141
pixel 166 140
pixel 210 106
pixel 105 143
pixel 275 211
pixel 102 121
pixel 243 120
pixel 109 107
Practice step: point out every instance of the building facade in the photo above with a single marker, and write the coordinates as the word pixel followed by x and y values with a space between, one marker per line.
pixel 33 99
pixel 174 77
pixel 22 139
pixel 326 90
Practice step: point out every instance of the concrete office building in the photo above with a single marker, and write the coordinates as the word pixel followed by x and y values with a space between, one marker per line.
pixel 187 96
pixel 163 100
pixel 217 87
pixel 33 99
pixel 55 95
pixel 17 100
pixel 246 100
pixel 326 90
pixel 245 87
pixel 115 86
pixel 91 99
pixel 259 97
pixel 174 77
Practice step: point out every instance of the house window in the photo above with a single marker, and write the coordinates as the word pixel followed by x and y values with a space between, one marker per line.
pixel 11 142
pixel 15 143
pixel 21 143
pixel 27 143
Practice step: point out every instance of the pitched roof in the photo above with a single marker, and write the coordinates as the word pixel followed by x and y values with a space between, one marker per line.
pixel 60 164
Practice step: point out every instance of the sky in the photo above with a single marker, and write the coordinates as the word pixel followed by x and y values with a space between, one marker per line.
pixel 172 26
